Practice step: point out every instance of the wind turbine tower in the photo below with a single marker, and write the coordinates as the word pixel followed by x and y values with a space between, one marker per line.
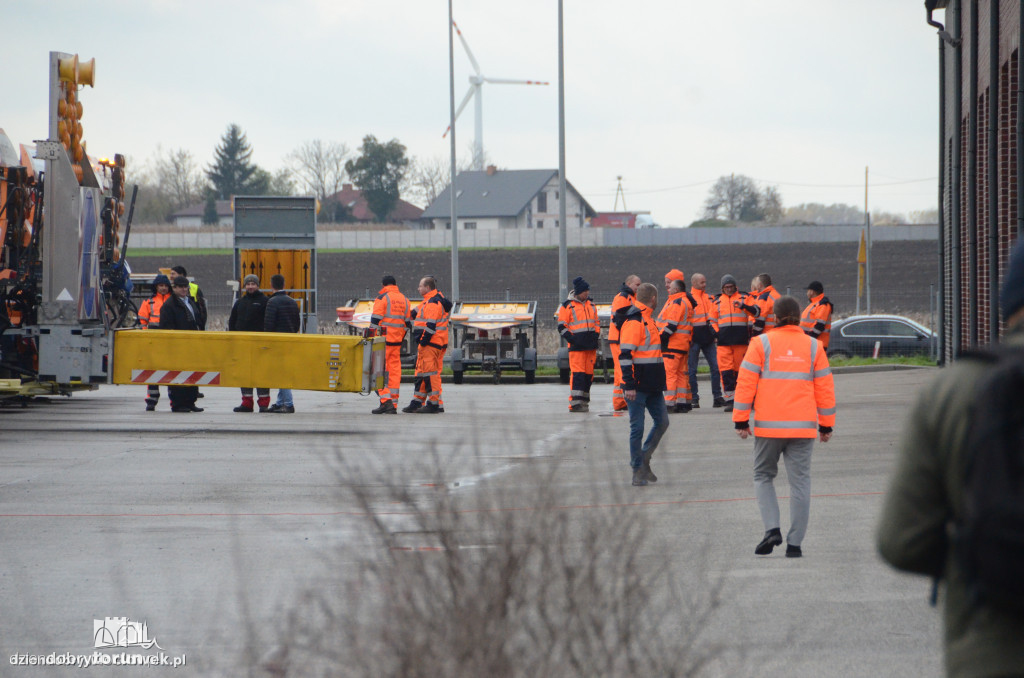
pixel 476 84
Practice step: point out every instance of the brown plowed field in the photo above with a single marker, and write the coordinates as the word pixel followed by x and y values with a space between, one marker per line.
pixel 901 272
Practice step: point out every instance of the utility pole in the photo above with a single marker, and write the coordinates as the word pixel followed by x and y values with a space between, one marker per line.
pixel 619 194
pixel 563 257
pixel 451 185
pixel 867 226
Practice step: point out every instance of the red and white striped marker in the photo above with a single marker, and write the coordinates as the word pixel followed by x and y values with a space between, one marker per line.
pixel 176 377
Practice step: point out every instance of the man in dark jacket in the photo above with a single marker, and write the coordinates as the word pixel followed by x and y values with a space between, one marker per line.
pixel 247 315
pixel 643 380
pixel 179 313
pixel 196 295
pixel 282 315
pixel 926 500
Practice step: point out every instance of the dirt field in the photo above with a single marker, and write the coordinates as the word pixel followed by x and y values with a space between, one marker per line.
pixel 901 273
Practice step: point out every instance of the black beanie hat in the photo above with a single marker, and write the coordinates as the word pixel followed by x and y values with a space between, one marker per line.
pixel 1012 296
pixel 817 287
pixel 579 285
pixel 161 279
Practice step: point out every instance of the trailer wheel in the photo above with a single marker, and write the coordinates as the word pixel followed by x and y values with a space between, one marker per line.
pixel 531 376
pixel 563 375
pixel 457 376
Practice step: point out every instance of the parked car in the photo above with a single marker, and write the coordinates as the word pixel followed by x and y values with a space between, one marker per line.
pixel 896 335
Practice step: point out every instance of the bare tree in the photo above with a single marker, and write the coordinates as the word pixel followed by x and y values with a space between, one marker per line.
pixel 427 177
pixel 179 177
pixel 319 166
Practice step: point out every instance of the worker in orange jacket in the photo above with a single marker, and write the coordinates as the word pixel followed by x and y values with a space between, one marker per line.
pixel 816 320
pixel 390 317
pixel 675 323
pixel 643 380
pixel 733 336
pixel 431 332
pixel 765 296
pixel 705 334
pixel 579 326
pixel 786 383
pixel 620 304
pixel 149 316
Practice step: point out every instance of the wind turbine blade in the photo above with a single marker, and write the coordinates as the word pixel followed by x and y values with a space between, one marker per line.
pixel 469 52
pixel 506 81
pixel 458 111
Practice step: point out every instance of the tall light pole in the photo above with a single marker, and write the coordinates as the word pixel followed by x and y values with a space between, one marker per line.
pixel 451 185
pixel 563 259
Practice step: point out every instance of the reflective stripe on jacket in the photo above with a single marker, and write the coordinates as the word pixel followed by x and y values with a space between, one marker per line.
pixel 578 324
pixel 733 321
pixel 675 323
pixel 643 368
pixel 432 320
pixel 620 305
pixel 765 302
pixel 390 314
pixel 786 381
pixel 149 312
pixel 816 320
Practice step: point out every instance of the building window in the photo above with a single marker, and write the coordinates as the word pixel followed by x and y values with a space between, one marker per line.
pixel 556 223
pixel 542 202
pixel 540 223
pixel 469 226
pixel 448 225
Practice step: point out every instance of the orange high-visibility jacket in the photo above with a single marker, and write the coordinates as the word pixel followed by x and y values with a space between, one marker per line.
pixel 578 323
pixel 733 321
pixel 786 381
pixel 620 304
pixel 149 312
pixel 705 317
pixel 643 368
pixel 675 322
pixel 390 314
pixel 765 302
pixel 432 320
pixel 816 320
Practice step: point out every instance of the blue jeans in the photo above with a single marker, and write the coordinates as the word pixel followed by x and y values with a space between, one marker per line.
pixel 655 404
pixel 711 355
pixel 284 397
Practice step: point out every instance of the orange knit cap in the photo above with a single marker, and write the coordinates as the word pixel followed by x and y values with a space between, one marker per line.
pixel 675 274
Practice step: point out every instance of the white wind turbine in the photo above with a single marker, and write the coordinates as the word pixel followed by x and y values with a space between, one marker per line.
pixel 476 82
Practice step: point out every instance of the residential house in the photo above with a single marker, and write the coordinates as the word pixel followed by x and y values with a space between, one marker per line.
pixel 495 199
pixel 192 217
pixel 356 208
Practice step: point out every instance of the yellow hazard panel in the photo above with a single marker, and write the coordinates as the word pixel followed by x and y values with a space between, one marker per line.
pixel 308 362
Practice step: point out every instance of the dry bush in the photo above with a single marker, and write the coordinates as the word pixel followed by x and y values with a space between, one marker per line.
pixel 498 581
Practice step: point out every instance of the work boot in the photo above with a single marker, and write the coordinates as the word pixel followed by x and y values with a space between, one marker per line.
pixel 772 538
pixel 577 407
pixel 695 405
pixel 793 551
pixel 243 408
pixel 413 406
pixel 639 477
pixel 264 408
pixel 429 408
pixel 728 406
pixel 648 473
pixel 151 406
pixel 719 402
pixel 683 408
pixel 386 407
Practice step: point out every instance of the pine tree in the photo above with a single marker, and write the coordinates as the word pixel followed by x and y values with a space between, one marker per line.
pixel 232 171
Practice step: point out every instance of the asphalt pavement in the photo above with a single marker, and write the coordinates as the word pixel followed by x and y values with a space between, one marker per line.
pixel 204 526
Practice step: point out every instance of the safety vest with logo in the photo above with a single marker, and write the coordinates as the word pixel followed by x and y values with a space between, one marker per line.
pixel 705 322
pixel 578 323
pixel 765 302
pixel 675 323
pixel 620 305
pixel 432 320
pixel 816 320
pixel 643 368
pixel 149 312
pixel 786 381
pixel 733 321
pixel 390 314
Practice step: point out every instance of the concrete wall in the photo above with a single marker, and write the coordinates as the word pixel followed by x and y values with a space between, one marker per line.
pixel 575 237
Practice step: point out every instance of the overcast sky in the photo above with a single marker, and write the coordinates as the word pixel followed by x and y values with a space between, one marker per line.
pixel 669 94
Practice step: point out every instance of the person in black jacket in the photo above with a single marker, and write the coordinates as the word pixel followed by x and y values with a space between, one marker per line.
pixel 179 313
pixel 247 315
pixel 282 315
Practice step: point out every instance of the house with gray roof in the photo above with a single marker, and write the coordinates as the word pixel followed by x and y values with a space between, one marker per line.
pixel 495 199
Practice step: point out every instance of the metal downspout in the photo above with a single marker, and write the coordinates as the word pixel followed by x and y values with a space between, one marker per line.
pixel 956 218
pixel 944 37
pixel 972 183
pixel 993 173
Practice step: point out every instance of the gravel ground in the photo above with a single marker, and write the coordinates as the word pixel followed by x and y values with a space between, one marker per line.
pixel 901 273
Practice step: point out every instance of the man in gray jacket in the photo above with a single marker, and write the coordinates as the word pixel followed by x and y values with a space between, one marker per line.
pixel 926 498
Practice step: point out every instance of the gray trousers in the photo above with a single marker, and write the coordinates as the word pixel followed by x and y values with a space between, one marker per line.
pixel 797 453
